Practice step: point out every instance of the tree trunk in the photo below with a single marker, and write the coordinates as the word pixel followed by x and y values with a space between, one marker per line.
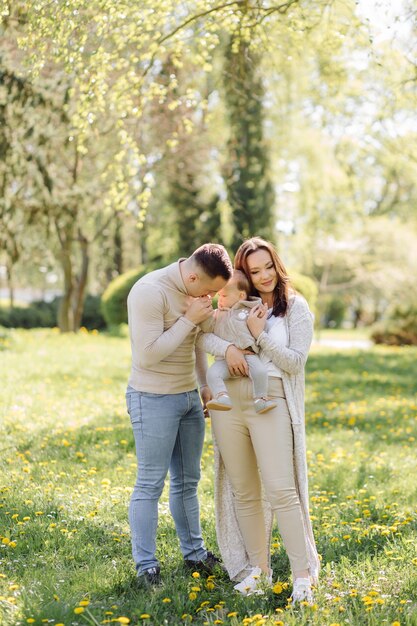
pixel 118 246
pixel 65 314
pixel 357 316
pixel 10 283
pixel 79 292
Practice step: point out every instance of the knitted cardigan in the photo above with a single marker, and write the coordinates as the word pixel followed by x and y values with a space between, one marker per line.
pixel 290 360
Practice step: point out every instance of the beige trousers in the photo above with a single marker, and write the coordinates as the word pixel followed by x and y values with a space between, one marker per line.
pixel 248 441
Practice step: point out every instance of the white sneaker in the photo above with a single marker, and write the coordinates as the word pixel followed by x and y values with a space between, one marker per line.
pixel 254 583
pixel 302 591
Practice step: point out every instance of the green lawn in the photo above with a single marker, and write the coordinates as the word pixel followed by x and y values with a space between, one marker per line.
pixel 68 465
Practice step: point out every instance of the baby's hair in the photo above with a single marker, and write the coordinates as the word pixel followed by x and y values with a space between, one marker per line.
pixel 242 281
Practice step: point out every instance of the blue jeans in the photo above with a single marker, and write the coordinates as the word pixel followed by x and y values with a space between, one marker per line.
pixel 169 434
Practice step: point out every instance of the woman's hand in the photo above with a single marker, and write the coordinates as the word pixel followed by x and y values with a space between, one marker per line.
pixel 236 361
pixel 257 319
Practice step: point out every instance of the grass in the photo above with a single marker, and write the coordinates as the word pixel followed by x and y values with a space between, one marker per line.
pixel 67 464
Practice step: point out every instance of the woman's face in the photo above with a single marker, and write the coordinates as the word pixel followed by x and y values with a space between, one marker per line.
pixel 262 272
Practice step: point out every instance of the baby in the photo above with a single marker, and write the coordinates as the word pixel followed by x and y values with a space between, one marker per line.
pixel 229 322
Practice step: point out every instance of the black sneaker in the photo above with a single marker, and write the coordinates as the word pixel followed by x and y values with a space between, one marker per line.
pixel 150 577
pixel 206 566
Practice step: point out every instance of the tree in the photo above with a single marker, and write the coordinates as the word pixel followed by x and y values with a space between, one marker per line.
pixel 249 187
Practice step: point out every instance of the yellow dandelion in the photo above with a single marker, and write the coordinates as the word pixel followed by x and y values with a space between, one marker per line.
pixel 166 600
pixel 195 575
pixel 232 614
pixel 79 609
pixel 123 620
pixel 84 602
pixel 277 588
pixel 144 616
pixel 192 595
pixel 30 620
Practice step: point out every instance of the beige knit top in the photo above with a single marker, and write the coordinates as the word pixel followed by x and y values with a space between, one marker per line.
pixel 164 356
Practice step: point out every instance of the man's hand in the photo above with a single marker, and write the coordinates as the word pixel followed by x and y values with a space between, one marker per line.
pixel 205 395
pixel 236 361
pixel 199 309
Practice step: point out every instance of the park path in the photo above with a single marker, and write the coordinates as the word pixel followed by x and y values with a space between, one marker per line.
pixel 343 344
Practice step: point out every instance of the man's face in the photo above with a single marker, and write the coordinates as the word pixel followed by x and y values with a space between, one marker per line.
pixel 204 285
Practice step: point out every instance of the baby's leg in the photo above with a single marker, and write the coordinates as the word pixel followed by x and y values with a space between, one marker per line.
pixel 259 375
pixel 216 376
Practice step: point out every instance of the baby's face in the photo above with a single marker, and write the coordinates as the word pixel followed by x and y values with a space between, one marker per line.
pixel 229 295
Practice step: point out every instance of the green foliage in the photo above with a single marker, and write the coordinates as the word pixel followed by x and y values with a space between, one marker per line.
pixel 92 316
pixel 306 287
pixel 41 314
pixel 113 300
pixel 197 221
pixel 247 177
pixel 400 329
pixel 35 315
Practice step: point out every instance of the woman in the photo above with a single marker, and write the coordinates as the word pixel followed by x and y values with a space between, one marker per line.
pixel 273 442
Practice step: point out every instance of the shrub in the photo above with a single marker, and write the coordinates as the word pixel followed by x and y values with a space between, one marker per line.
pixel 113 300
pixel 33 316
pixel 42 314
pixel 92 316
pixel 334 313
pixel 306 287
pixel 400 329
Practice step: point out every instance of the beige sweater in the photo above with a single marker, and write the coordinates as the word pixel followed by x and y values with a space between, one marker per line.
pixel 290 360
pixel 164 356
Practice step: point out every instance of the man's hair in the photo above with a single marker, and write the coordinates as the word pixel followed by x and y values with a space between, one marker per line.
pixel 242 281
pixel 213 260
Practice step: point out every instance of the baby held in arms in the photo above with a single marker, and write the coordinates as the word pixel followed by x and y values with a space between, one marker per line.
pixel 229 322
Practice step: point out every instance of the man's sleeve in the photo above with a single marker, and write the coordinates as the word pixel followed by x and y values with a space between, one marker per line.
pixel 146 323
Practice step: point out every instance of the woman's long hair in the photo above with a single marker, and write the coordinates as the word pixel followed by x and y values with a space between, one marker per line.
pixel 283 287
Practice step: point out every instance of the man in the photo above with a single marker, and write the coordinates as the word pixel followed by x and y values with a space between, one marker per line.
pixel 164 310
